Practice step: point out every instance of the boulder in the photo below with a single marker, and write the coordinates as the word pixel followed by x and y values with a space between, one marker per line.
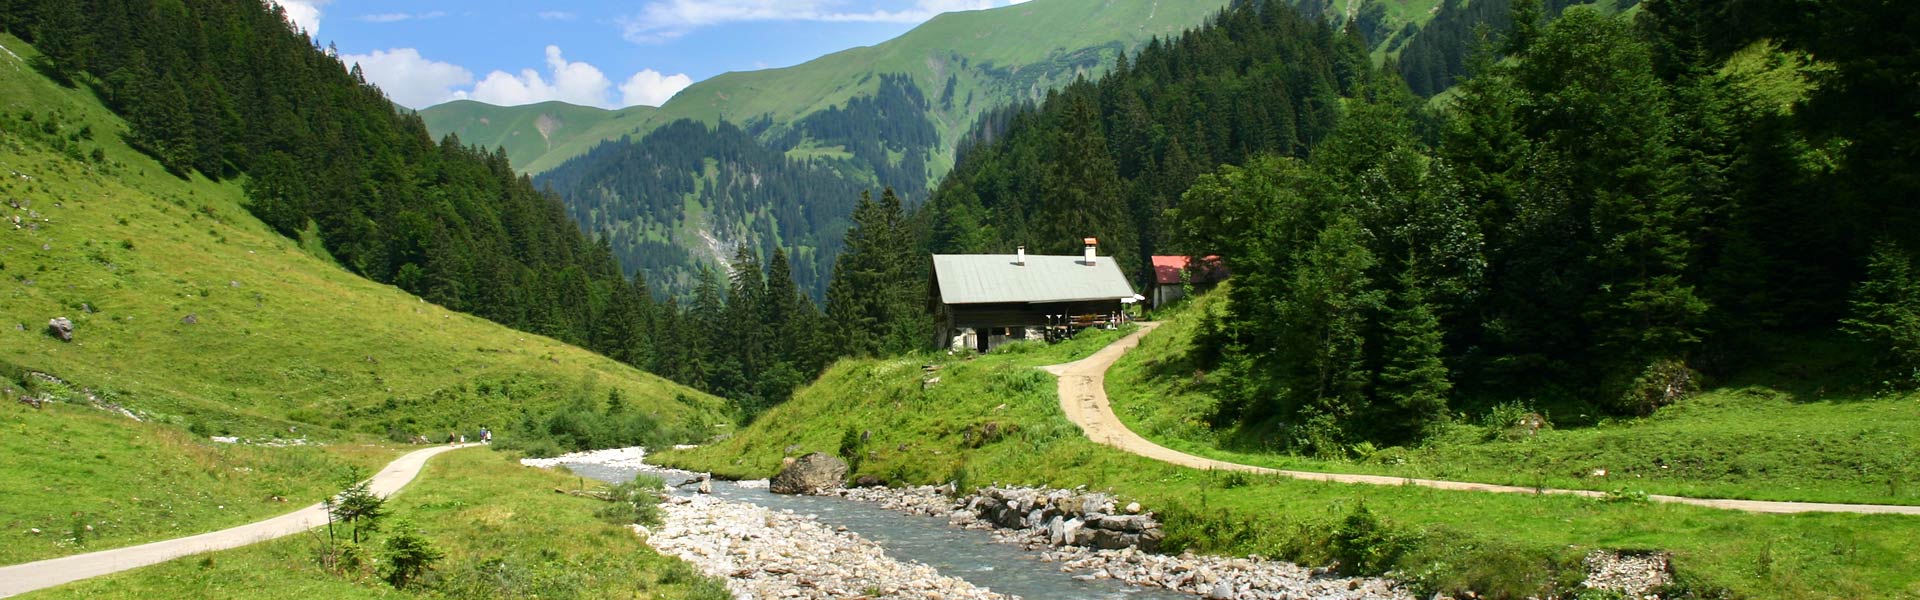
pixel 1221 591
pixel 61 328
pixel 1129 523
pixel 810 474
pixel 1112 540
pixel 868 481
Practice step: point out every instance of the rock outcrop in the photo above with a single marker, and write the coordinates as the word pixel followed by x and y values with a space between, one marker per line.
pixel 60 328
pixel 810 474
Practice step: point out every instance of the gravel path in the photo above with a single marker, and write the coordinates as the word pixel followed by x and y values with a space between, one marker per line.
pixel 27 577
pixel 1083 395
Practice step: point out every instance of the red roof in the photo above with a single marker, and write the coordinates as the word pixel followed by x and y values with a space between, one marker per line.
pixel 1166 269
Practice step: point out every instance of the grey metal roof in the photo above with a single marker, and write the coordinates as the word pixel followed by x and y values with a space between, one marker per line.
pixel 994 278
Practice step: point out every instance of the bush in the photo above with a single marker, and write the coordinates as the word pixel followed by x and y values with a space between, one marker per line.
pixel 1367 546
pixel 408 555
pixel 853 448
pixel 1662 383
pixel 584 425
pixel 636 502
pixel 1513 421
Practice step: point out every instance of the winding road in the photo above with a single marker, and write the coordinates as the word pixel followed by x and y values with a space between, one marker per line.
pixel 1083 396
pixel 27 577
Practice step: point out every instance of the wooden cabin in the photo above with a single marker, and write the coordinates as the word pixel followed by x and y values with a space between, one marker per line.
pixel 981 301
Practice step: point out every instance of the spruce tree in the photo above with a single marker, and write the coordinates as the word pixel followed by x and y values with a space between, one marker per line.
pixel 1414 380
pixel 1886 311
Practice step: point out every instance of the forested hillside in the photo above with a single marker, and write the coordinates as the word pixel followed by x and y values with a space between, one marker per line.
pixel 1104 160
pixel 1623 210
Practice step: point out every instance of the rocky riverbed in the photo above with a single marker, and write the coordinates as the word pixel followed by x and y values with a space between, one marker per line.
pixel 764 553
pixel 1205 576
pixel 777 554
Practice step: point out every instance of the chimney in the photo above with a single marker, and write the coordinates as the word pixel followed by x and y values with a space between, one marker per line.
pixel 1092 244
pixel 1020 256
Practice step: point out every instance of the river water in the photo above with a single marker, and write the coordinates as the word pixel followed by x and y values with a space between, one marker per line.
pixel 967 554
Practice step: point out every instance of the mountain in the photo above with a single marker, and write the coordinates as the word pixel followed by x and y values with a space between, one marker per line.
pixel 526 132
pixel 777 158
pixel 994 56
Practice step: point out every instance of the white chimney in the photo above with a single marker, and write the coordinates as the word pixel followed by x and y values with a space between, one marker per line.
pixel 1020 256
pixel 1092 244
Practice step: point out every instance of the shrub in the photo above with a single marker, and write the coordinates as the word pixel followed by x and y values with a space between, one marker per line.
pixel 636 502
pixel 1513 421
pixel 1368 546
pixel 408 555
pixel 853 448
pixel 1662 383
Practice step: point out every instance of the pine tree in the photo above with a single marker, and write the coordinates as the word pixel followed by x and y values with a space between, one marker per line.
pixel 1886 310
pixel 1526 27
pixel 1326 313
pixel 1414 380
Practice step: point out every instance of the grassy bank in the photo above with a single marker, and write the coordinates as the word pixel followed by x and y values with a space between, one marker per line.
pixel 996 418
pixel 89 480
pixel 504 531
pixel 199 319
pixel 1749 442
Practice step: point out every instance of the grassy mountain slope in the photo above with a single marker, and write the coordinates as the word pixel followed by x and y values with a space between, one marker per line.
pixel 996 418
pixel 190 313
pixel 526 132
pixel 998 56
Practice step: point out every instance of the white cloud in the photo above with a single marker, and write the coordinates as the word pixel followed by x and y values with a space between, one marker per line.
pixel 573 83
pixel 418 82
pixel 650 88
pixel 398 17
pixel 410 79
pixel 664 20
pixel 557 15
pixel 305 14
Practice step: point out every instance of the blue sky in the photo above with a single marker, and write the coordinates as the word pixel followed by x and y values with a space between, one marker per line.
pixel 607 54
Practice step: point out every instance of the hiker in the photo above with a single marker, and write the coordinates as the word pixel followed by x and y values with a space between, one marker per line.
pixel 486 435
pixel 451 438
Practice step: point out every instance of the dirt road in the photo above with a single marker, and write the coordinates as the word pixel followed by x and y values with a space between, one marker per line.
pixel 1083 396
pixel 23 578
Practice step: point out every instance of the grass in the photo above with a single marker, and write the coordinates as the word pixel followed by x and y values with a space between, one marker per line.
pixel 86 479
pixel 506 534
pixel 282 343
pixel 1750 441
pixel 1501 545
